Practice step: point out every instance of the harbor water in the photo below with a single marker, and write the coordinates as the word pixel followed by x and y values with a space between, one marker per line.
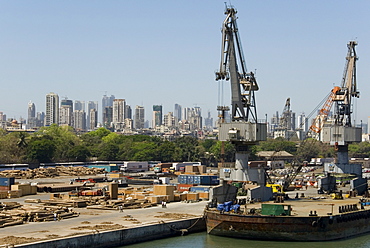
pixel 203 240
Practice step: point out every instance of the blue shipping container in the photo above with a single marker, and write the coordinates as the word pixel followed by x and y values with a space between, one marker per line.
pixel 199 189
pixel 108 168
pixel 190 179
pixel 182 179
pixel 6 181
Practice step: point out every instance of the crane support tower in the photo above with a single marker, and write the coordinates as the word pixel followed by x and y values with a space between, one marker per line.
pixel 342 132
pixel 244 129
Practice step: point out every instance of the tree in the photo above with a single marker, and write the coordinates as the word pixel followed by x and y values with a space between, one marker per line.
pixel 228 148
pixel 108 151
pixel 310 148
pixel 78 153
pixel 278 144
pixel 166 151
pixel 64 140
pixel 187 148
pixel 41 149
pixel 359 150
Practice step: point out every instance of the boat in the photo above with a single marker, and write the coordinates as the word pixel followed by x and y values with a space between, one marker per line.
pixel 334 219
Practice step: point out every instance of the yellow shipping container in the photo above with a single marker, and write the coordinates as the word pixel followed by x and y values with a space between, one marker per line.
pixel 192 196
pixel 204 195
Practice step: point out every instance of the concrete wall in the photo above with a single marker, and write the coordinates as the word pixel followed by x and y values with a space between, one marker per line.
pixel 123 236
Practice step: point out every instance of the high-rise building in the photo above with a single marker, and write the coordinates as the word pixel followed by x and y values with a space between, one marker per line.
pixel 40 119
pixel 66 113
pixel 93 119
pixel 108 117
pixel 208 122
pixel 139 117
pixel 31 120
pixel 79 120
pixel 177 112
pixel 91 105
pixel 119 107
pixel 52 109
pixel 302 122
pixel 2 116
pixel 31 110
pixel 79 105
pixel 195 118
pixel 107 101
pixel 128 112
pixel 157 115
pixel 169 120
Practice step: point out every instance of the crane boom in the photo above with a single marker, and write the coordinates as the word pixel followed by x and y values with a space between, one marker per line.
pixel 319 120
pixel 243 84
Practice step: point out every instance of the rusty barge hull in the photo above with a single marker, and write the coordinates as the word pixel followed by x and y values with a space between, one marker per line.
pixel 288 228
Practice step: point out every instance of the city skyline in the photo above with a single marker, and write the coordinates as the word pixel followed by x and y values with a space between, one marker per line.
pixel 82 51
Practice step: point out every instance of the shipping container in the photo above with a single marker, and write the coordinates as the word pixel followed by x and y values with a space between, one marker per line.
pixel 135 167
pixel 108 168
pixel 184 187
pixel 6 181
pixel 199 189
pixel 198 179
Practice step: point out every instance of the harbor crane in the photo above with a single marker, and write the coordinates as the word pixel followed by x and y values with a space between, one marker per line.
pixel 244 129
pixel 285 120
pixel 342 131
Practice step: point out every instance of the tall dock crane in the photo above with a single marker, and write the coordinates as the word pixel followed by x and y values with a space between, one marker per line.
pixel 342 132
pixel 244 129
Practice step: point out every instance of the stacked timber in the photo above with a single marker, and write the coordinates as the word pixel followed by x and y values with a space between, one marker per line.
pixel 52 172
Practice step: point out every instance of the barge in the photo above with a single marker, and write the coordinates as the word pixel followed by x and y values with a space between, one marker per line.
pixel 287 225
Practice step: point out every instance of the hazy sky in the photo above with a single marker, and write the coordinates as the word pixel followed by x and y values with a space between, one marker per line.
pixel 166 52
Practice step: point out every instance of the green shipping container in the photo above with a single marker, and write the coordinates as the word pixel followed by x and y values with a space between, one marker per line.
pixel 276 209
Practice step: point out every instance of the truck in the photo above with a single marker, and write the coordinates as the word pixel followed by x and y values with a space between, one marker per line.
pixel 134 166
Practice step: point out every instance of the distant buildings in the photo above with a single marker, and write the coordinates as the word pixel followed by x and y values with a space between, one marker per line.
pixel 117 116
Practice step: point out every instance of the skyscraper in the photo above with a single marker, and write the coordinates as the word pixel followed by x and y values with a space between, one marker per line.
pixel 66 113
pixel 208 122
pixel 107 117
pixel 139 117
pixel 169 120
pixel 52 109
pixel 177 112
pixel 128 112
pixel 31 110
pixel 79 120
pixel 107 101
pixel 119 107
pixel 157 115
pixel 31 120
pixel 91 105
pixel 79 105
pixel 93 119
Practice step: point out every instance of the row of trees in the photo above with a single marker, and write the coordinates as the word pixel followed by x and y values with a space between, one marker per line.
pixel 61 144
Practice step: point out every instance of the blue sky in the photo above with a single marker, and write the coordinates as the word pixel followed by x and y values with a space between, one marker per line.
pixel 166 52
